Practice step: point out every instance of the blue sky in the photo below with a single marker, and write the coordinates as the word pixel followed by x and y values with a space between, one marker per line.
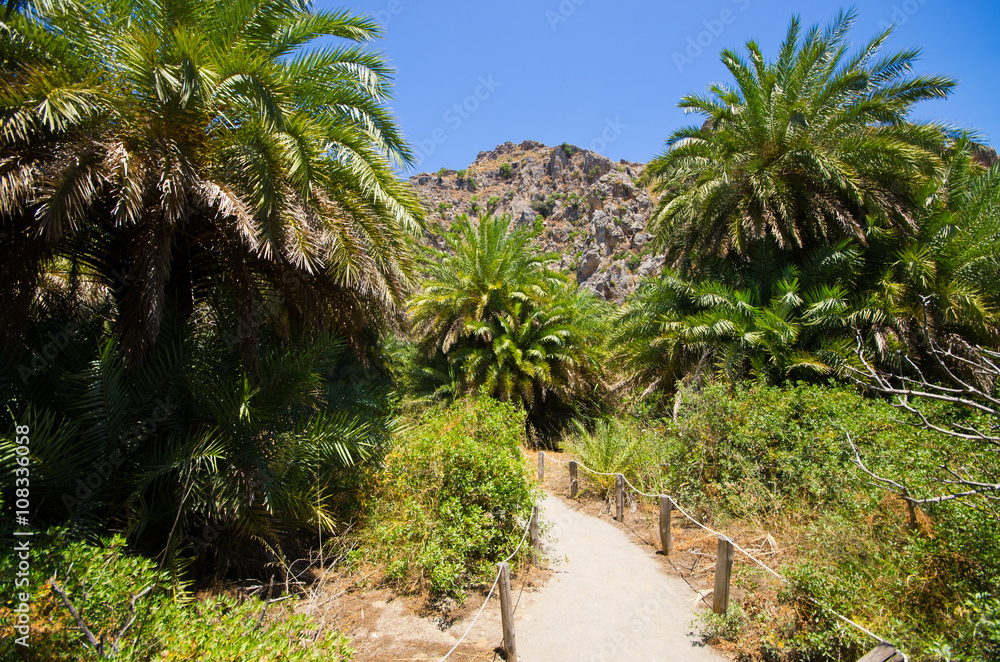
pixel 607 74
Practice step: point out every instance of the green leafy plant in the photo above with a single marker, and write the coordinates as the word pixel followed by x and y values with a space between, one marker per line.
pixel 135 615
pixel 453 498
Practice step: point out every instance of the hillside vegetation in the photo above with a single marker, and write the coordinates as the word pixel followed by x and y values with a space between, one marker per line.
pixel 236 350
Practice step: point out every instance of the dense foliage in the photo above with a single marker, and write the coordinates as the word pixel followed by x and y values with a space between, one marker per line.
pixel 809 213
pixel 492 317
pixel 188 457
pixel 164 153
pixel 130 607
pixel 453 499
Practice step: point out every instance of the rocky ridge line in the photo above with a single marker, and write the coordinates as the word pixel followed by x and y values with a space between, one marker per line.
pixel 588 209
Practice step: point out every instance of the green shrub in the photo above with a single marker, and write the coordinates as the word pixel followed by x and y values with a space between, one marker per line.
pixel 547 206
pixel 101 582
pixel 633 262
pixel 615 446
pixel 539 225
pixel 505 170
pixel 453 498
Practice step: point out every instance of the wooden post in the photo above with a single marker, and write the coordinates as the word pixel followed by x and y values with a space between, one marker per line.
pixel 883 653
pixel 620 497
pixel 723 572
pixel 666 539
pixel 536 545
pixel 541 467
pixel 574 485
pixel 507 614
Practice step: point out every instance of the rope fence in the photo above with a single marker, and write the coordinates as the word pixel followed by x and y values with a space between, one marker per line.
pixel 501 572
pixel 878 654
pixel 883 652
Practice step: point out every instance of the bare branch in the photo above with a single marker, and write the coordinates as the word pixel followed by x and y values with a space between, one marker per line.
pixel 97 645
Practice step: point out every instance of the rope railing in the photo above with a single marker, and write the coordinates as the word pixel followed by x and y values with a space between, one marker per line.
pixel 496 581
pixel 860 628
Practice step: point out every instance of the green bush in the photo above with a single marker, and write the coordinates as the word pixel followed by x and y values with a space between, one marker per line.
pixel 539 225
pixel 101 583
pixel 615 446
pixel 453 498
pixel 505 170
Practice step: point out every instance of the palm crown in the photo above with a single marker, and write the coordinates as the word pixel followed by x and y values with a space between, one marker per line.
pixel 171 150
pixel 807 149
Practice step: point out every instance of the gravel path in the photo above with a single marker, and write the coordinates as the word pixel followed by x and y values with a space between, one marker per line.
pixel 606 600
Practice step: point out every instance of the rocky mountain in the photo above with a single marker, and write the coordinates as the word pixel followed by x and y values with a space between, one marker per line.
pixel 585 207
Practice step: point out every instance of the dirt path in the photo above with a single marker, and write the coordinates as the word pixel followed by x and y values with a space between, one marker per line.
pixel 607 599
pixel 601 596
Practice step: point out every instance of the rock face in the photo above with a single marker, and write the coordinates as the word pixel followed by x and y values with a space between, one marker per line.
pixel 588 209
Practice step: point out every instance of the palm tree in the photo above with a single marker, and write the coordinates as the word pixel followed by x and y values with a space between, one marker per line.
pixel 941 286
pixel 772 319
pixel 810 148
pixel 527 354
pixel 186 454
pixel 485 270
pixel 171 151
pixel 491 317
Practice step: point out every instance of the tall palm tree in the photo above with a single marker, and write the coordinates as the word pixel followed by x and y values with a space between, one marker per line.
pixel 491 316
pixel 807 149
pixel 485 270
pixel 173 150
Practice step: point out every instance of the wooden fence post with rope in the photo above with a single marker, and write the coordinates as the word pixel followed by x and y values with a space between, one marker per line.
pixel 619 497
pixel 723 573
pixel 666 538
pixel 507 614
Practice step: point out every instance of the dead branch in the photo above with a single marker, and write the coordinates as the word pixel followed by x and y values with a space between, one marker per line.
pixel 91 639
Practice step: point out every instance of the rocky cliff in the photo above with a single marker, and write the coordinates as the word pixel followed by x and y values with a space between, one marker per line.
pixel 586 208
